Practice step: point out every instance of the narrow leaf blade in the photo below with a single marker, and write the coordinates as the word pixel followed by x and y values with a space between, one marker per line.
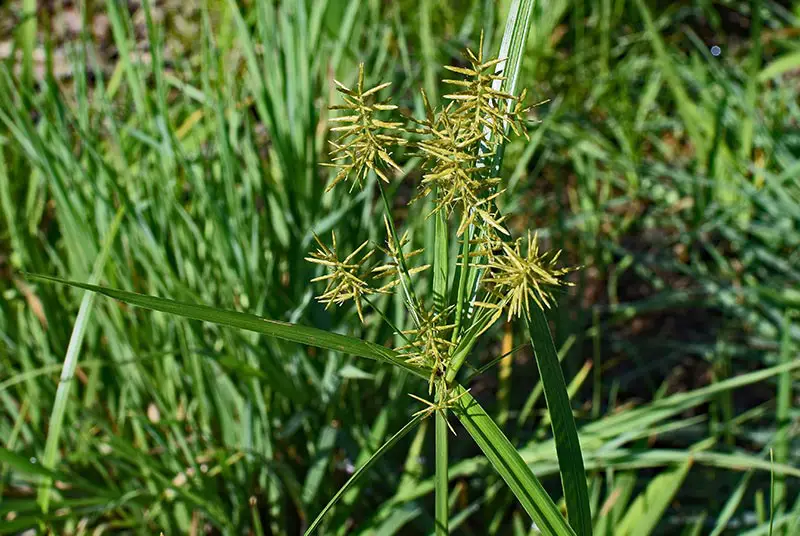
pixel 510 466
pixel 363 469
pixel 648 508
pixel 568 447
pixel 273 328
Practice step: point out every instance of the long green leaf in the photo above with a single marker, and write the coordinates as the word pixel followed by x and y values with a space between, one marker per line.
pixel 440 491
pixel 646 511
pixel 510 466
pixel 31 466
pixel 568 447
pixel 361 470
pixel 273 328
pixel 515 37
pixel 71 363
pixel 28 466
pixel 777 67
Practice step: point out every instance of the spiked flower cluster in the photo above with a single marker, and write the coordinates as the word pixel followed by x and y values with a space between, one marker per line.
pixel 429 346
pixel 363 139
pixel 458 144
pixel 459 140
pixel 346 278
pixel 515 279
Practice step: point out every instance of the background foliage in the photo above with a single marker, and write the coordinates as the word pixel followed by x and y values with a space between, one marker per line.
pixel 669 173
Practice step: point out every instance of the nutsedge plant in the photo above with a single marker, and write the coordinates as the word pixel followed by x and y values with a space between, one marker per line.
pixel 496 275
pixel 455 140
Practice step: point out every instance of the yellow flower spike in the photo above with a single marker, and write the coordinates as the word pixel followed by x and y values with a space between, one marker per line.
pixel 458 143
pixel 515 279
pixel 430 344
pixel 459 139
pixel 346 278
pixel 363 140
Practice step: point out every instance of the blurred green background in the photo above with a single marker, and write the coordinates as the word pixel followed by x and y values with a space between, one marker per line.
pixel 669 173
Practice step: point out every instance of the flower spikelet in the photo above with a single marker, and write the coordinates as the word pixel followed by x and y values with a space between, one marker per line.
pixel 429 344
pixel 455 175
pixel 480 106
pixel 445 400
pixel 363 139
pixel 515 278
pixel 458 141
pixel 345 278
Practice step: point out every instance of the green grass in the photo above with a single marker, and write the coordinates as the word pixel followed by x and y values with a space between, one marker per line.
pixel 667 173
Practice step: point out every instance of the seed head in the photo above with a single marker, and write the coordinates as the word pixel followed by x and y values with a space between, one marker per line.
pixel 515 279
pixel 479 104
pixel 346 278
pixel 455 176
pixel 457 142
pixel 363 139
pixel 430 344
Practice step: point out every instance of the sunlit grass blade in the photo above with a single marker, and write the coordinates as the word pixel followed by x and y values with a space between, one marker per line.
pixel 510 466
pixel 274 328
pixel 661 409
pixel 361 470
pixel 71 363
pixel 512 49
pixel 646 511
pixel 779 66
pixel 565 433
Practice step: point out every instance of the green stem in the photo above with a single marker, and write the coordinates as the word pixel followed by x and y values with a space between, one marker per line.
pixel 462 283
pixel 783 413
pixel 405 279
pixel 442 510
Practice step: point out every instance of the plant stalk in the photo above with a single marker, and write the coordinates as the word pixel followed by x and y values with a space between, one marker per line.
pixel 440 487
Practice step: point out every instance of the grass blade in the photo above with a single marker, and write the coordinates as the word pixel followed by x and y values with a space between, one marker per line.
pixel 28 38
pixel 510 466
pixel 273 328
pixel 783 414
pixel 515 37
pixel 26 466
pixel 777 67
pixel 71 363
pixel 361 470
pixel 568 447
pixel 645 512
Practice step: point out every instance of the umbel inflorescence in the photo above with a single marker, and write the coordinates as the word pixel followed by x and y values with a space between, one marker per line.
pixel 457 142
